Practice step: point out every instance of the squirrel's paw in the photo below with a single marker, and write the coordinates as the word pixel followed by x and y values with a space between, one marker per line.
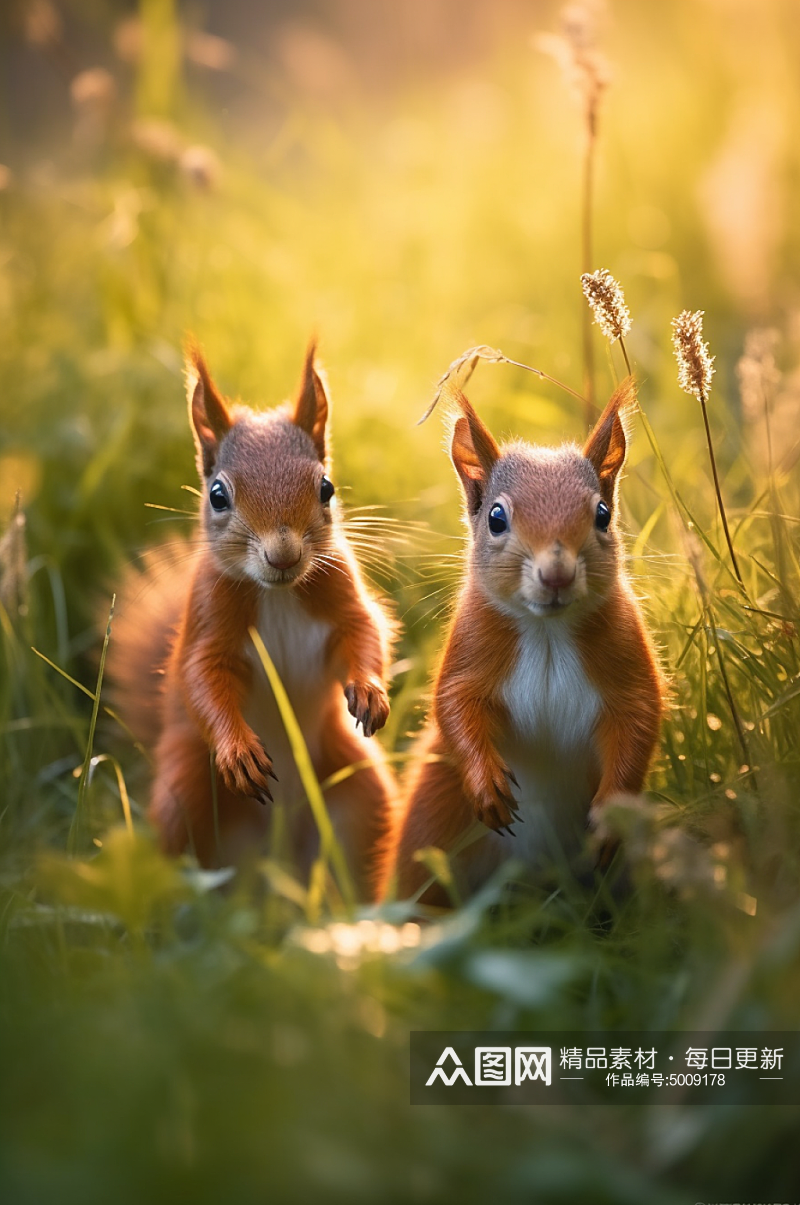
pixel 245 767
pixel 604 841
pixel 493 802
pixel 368 702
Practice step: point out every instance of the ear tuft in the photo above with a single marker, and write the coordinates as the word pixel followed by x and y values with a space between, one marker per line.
pixel 607 444
pixel 473 451
pixel 312 405
pixel 208 412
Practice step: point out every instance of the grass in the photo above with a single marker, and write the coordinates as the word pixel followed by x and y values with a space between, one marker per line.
pixel 163 1037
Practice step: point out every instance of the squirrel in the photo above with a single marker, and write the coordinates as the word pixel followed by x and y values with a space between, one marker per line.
pixel 549 697
pixel 273 555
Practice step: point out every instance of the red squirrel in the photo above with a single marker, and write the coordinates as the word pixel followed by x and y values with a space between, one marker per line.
pixel 548 698
pixel 273 555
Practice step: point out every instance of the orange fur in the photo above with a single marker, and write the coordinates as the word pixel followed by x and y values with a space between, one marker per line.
pixel 275 557
pixel 547 665
pixel 618 655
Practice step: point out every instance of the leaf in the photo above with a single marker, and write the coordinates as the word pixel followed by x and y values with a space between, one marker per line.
pixel 129 878
pixel 437 862
pixel 450 939
pixel 782 700
pixel 202 881
pixel 527 979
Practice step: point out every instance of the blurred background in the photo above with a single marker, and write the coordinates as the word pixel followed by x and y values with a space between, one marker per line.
pixel 406 180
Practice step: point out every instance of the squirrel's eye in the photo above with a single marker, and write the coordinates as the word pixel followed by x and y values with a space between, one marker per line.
pixel 326 491
pixel 498 520
pixel 602 517
pixel 218 496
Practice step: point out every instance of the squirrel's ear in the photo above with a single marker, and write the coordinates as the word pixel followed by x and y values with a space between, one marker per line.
pixel 207 410
pixel 312 405
pixel 607 444
pixel 473 452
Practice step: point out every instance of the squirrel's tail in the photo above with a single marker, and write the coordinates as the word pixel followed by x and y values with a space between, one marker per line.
pixel 149 605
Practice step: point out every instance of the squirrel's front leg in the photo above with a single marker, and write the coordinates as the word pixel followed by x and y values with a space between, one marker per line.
pixel 367 700
pixel 468 723
pixel 359 641
pixel 214 688
pixel 625 742
pixel 215 676
pixel 361 648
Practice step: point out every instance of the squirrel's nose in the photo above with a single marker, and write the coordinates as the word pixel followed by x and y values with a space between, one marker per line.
pixel 283 550
pixel 278 562
pixel 557 577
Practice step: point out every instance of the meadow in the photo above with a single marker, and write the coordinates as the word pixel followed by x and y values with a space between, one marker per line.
pixel 409 188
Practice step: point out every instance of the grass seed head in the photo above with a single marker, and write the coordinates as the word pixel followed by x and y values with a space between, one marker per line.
pixel 575 50
pixel 93 90
pixel 14 564
pixel 157 139
pixel 695 365
pixel 607 301
pixel 757 371
pixel 200 166
pixel 42 25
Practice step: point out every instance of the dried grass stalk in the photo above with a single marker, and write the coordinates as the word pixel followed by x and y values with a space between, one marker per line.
pixel 575 49
pixel 467 362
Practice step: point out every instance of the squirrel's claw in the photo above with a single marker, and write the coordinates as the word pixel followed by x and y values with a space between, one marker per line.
pixel 368 703
pixel 246 768
pixel 495 806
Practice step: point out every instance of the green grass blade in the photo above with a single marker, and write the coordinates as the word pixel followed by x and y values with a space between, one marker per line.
pixel 109 711
pixel 348 771
pixel 330 849
pixel 76 828
pixel 122 787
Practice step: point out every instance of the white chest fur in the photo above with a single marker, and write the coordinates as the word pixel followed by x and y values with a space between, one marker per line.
pixel 548 697
pixel 295 640
pixel 297 644
pixel 552 709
